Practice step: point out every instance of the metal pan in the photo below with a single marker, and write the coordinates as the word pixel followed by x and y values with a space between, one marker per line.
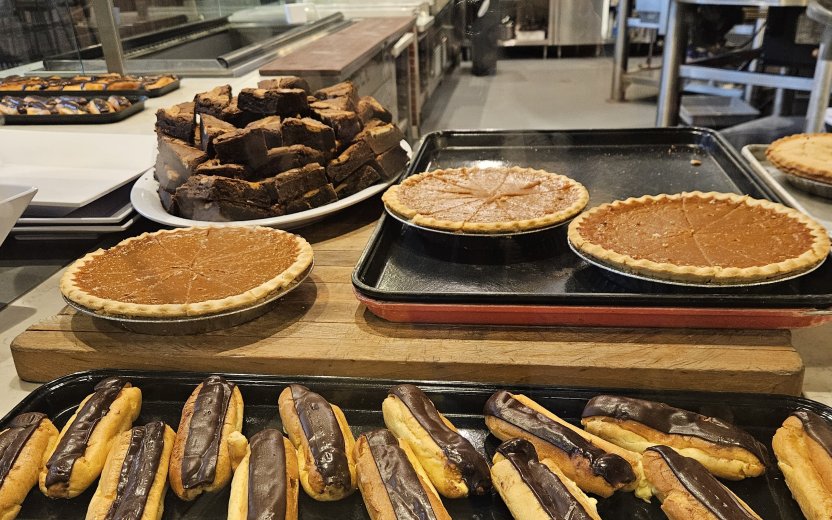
pixel 812 186
pixel 79 119
pixel 151 93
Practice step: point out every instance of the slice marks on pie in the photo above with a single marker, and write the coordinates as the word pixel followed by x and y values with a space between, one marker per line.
pixel 804 155
pixel 718 238
pixel 187 272
pixel 486 200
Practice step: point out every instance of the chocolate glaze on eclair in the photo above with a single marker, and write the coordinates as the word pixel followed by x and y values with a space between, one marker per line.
pixel 459 450
pixel 609 466
pixel 815 427
pixel 554 497
pixel 138 472
pixel 13 438
pixel 674 421
pixel 323 434
pixel 199 460
pixel 267 476
pixel 74 442
pixel 703 486
pixel 407 496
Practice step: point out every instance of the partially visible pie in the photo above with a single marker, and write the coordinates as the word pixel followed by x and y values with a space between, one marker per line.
pixel 804 155
pixel 486 200
pixel 719 238
pixel 187 272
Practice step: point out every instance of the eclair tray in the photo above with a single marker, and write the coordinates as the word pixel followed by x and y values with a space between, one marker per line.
pixel 408 275
pixel 164 394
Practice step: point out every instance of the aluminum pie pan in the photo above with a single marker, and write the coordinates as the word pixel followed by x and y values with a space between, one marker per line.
pixel 821 189
pixel 618 272
pixel 196 324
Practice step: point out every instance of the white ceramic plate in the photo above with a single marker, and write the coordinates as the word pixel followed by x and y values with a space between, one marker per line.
pixel 109 209
pixel 76 229
pixel 145 200
pixel 101 163
pixel 13 200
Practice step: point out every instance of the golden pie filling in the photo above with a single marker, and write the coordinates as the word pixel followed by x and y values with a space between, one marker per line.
pixel 187 272
pixel 805 155
pixel 487 200
pixel 704 237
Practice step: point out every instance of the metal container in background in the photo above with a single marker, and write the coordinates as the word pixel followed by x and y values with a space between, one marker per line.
pixel 579 22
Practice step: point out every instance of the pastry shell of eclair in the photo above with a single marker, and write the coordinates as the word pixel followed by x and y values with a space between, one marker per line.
pixel 576 469
pixel 104 495
pixel 119 418
pixel 310 478
pixel 23 475
pixel 521 501
pixel 230 453
pixel 677 502
pixel 807 468
pixel 238 501
pixel 728 462
pixel 446 477
pixel 373 492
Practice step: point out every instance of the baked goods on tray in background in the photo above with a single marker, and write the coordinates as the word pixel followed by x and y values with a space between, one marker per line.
pixel 537 490
pixel 803 446
pixel 23 445
pixel 393 484
pixel 84 442
pixel 135 476
pixel 595 465
pixel 803 155
pixel 265 484
pixel 704 238
pixel 688 491
pixel 96 82
pixel 323 440
pixel 451 462
pixel 221 155
pixel 187 272
pixel 61 105
pixel 635 424
pixel 206 451
pixel 486 200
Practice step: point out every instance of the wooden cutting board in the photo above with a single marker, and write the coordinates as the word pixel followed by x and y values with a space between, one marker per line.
pixel 321 329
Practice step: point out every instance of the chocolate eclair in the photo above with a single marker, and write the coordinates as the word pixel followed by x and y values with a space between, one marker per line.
pixel 323 440
pixel 23 445
pixel 596 465
pixel 537 490
pixel 135 476
pixel 393 484
pixel 85 440
pixel 687 490
pixel 204 453
pixel 803 447
pixel 265 485
pixel 635 424
pixel 454 466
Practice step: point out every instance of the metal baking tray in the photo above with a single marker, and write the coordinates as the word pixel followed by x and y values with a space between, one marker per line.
pixel 79 119
pixel 164 394
pixel 151 93
pixel 406 275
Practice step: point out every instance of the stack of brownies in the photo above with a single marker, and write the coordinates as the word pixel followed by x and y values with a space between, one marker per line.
pixel 272 150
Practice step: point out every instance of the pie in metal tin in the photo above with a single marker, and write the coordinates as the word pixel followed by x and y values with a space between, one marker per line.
pixel 803 155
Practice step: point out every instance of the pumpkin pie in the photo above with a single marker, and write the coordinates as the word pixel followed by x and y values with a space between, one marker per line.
pixel 719 238
pixel 486 200
pixel 187 272
pixel 804 155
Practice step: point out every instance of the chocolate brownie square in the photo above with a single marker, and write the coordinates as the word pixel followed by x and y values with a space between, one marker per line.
pixel 343 89
pixel 380 136
pixel 214 101
pixel 213 167
pixel 284 102
pixel 236 116
pixel 294 183
pixel 345 124
pixel 312 199
pixel 210 128
pixel 365 177
pixel 286 158
pixel 338 103
pixel 309 132
pixel 168 201
pixel 177 121
pixel 242 146
pixel 356 155
pixel 369 108
pixel 271 128
pixel 220 199
pixel 284 82
pixel 176 161
pixel 391 162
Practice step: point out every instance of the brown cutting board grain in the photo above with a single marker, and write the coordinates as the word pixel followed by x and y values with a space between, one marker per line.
pixel 320 329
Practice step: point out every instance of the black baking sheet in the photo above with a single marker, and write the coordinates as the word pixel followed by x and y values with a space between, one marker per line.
pixel 79 119
pixel 404 264
pixel 164 394
pixel 151 93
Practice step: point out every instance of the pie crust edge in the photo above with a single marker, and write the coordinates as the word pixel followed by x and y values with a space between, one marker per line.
pixel 393 203
pixel 248 298
pixel 793 165
pixel 718 275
